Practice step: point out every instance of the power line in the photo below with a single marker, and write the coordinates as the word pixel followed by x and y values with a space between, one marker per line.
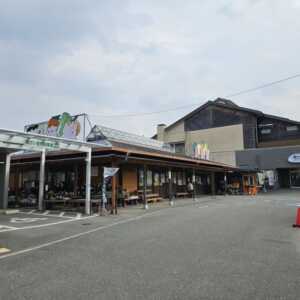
pixel 242 92
pixel 263 86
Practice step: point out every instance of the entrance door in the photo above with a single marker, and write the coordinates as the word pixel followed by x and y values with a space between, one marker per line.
pixel 295 178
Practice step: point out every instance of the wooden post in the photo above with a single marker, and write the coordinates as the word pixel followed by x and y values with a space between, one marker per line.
pixel 225 182
pixel 88 182
pixel 145 188
pixel 194 184
pixel 42 180
pixel 114 209
pixel 171 197
pixel 114 192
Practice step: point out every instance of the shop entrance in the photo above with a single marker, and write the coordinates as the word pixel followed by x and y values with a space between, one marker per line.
pixel 295 178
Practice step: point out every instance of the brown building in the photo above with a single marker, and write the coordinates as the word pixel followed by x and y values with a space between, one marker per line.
pixel 239 136
pixel 149 171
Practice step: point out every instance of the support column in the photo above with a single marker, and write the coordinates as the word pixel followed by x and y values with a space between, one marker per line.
pixel 145 188
pixel 225 183
pixel 4 181
pixel 114 209
pixel 2 176
pixel 194 184
pixel 88 183
pixel 171 197
pixel 213 183
pixel 42 180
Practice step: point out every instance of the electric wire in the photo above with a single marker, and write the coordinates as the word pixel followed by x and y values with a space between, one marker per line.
pixel 242 92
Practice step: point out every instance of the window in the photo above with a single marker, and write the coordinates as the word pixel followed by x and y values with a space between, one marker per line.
pixel 266 131
pixel 95 171
pixel 265 125
pixel 162 178
pixel 141 177
pixel 179 181
pixel 292 128
pixel 156 179
pixel 149 178
pixel 179 148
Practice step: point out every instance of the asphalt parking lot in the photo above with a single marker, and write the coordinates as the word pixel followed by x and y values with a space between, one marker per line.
pixel 230 247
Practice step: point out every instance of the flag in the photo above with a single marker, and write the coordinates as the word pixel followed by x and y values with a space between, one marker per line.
pixel 110 172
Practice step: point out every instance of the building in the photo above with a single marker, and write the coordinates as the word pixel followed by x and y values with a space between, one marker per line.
pixel 58 173
pixel 239 136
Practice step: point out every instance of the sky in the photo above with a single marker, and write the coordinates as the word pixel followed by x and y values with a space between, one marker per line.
pixel 112 58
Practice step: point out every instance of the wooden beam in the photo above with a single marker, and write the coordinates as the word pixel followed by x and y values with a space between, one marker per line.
pixel 145 188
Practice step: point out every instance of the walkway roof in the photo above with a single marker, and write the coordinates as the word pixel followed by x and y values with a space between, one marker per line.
pixel 12 140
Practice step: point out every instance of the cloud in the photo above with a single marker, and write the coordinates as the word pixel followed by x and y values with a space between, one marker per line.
pixel 113 57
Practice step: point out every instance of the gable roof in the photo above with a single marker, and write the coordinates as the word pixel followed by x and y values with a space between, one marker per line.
pixel 226 103
pixel 111 137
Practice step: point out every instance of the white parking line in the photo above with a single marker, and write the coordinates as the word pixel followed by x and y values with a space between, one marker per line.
pixel 71 237
pixel 4 228
pixel 46 225
pixel 204 206
pixel 61 215
pixel 293 204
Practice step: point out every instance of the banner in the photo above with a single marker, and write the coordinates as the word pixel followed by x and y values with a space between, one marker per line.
pixel 107 173
pixel 64 126
pixel 201 151
pixel 110 172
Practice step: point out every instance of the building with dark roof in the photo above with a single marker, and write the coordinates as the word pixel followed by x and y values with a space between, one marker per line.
pixel 239 136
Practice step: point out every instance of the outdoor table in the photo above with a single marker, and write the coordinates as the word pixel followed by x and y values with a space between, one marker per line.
pixel 57 201
pixel 152 197
pixel 131 199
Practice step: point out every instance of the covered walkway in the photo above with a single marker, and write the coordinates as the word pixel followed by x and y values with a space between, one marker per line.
pixel 15 143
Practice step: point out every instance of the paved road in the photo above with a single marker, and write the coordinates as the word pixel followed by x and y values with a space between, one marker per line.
pixel 221 248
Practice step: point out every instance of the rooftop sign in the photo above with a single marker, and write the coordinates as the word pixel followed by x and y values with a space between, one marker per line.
pixel 64 126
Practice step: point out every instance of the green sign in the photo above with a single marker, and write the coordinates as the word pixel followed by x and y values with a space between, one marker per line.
pixel 43 144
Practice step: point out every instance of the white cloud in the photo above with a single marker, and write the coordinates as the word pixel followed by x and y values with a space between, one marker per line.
pixel 112 57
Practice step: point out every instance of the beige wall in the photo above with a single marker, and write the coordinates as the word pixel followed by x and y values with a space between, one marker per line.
pixel 228 157
pixel 222 142
pixel 175 134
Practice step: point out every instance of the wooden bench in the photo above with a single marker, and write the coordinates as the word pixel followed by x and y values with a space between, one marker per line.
pixel 132 199
pixel 153 198
pixel 157 199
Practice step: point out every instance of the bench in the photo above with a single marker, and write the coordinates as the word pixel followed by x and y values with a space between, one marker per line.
pixel 153 198
pixel 132 199
pixel 157 199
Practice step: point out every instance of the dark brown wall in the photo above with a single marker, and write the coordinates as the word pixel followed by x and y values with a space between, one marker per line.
pixel 278 132
pixel 214 116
